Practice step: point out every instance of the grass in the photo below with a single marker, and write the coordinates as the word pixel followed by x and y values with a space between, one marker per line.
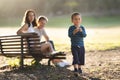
pixel 97 39
pixel 102 46
pixel 103 39
pixel 91 46
pixel 14 22
pixel 102 32
pixel 65 21
pixel 87 21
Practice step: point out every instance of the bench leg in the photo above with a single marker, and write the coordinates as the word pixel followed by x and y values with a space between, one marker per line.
pixel 21 57
pixel 21 62
pixel 49 62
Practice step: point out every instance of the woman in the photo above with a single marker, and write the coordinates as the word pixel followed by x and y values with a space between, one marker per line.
pixel 28 23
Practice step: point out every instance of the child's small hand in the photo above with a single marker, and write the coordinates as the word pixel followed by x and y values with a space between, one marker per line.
pixel 80 29
pixel 76 30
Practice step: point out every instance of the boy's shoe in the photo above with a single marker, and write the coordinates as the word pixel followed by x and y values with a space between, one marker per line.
pixel 75 71
pixel 80 71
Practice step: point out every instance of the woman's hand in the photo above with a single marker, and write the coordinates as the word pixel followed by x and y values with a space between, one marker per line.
pixel 23 29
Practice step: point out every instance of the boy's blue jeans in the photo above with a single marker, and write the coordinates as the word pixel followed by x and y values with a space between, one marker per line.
pixel 78 53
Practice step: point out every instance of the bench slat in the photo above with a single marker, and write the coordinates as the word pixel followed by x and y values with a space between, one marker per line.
pixel 13 51
pixel 14 48
pixel 10 41
pixel 10 38
pixel 28 56
pixel 12 44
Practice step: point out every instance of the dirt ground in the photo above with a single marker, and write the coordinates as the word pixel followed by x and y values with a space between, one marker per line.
pixel 100 65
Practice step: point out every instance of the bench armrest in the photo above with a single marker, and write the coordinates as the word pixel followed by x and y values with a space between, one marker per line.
pixel 28 34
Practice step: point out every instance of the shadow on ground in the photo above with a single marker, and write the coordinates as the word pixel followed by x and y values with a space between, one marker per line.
pixel 40 72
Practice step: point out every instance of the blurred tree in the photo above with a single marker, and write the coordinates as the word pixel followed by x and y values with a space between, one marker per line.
pixel 16 8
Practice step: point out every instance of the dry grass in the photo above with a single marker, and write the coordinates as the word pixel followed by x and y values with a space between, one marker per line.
pixel 97 38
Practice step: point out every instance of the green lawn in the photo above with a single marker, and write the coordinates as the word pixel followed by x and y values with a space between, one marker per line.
pixel 88 21
pixel 65 21
pixel 102 32
pixel 14 22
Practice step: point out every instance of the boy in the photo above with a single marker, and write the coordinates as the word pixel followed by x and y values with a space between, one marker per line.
pixel 46 46
pixel 42 20
pixel 76 33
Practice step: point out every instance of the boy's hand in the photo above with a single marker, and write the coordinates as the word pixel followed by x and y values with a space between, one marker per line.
pixel 80 29
pixel 77 30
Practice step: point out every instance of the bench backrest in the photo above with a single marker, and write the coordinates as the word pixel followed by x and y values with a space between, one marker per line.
pixel 16 44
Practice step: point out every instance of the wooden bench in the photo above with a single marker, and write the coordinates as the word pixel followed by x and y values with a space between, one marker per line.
pixel 25 46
